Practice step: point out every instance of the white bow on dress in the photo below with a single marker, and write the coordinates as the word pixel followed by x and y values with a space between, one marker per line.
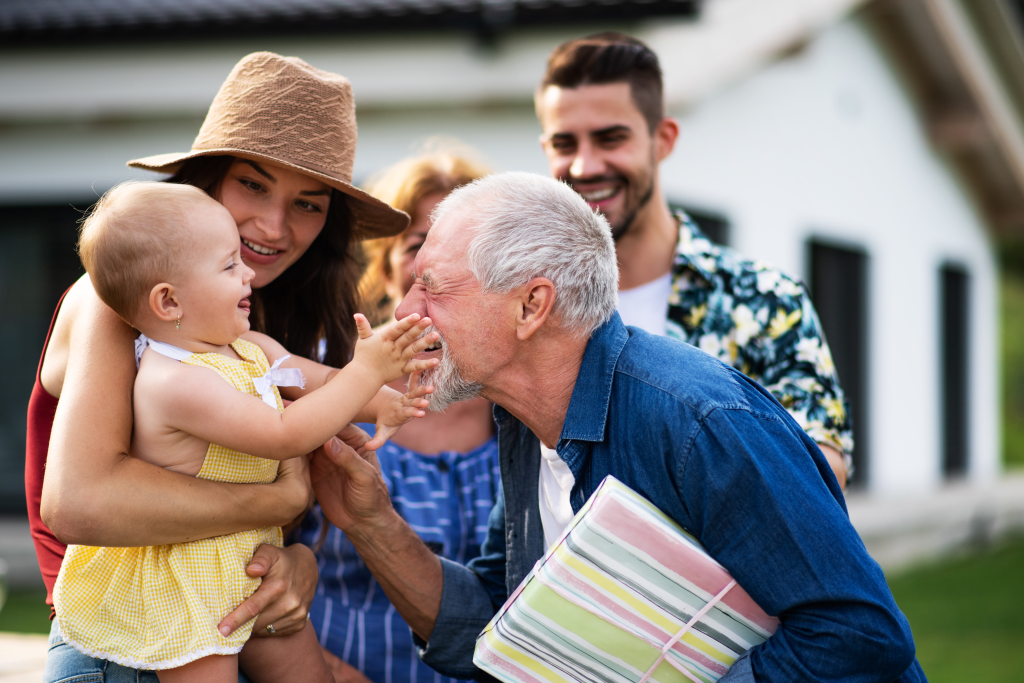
pixel 275 376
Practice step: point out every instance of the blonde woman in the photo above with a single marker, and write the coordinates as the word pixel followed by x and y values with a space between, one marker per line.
pixel 441 470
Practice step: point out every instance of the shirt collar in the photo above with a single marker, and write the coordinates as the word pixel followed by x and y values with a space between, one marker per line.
pixel 588 408
pixel 694 250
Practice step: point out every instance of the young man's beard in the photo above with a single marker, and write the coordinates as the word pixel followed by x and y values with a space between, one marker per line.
pixel 621 227
pixel 449 386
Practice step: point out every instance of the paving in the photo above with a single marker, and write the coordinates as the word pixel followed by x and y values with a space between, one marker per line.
pixel 22 657
pixel 908 530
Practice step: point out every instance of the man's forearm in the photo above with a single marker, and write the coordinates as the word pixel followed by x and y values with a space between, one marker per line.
pixel 837 462
pixel 406 569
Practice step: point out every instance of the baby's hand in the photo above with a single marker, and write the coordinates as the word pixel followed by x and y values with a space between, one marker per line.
pixel 392 352
pixel 399 410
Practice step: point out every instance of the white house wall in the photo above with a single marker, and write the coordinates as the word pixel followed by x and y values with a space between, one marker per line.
pixel 827 144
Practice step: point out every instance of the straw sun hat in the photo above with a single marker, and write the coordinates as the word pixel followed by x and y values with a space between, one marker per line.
pixel 282 110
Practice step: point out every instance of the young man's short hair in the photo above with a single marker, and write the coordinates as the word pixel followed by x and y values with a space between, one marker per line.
pixel 610 57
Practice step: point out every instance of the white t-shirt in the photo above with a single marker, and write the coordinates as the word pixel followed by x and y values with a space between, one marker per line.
pixel 646 306
pixel 556 482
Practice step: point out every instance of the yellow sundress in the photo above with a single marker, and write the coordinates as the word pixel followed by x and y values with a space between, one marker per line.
pixel 158 607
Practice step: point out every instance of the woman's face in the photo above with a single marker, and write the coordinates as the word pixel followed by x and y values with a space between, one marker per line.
pixel 279 212
pixel 404 252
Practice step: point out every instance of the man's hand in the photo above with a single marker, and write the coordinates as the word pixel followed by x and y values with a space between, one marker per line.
pixel 354 497
pixel 342 670
pixel 354 437
pixel 349 485
pixel 283 598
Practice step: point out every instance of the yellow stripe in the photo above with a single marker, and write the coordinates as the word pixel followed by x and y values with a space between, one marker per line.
pixel 655 616
pixel 524 660
pixel 601 581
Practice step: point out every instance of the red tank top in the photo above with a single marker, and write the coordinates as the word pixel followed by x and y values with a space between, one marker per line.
pixel 41 409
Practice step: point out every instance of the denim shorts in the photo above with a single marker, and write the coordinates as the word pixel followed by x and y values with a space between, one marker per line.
pixel 65 664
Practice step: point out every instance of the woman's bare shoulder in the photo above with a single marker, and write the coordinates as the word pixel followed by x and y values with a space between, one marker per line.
pixel 84 319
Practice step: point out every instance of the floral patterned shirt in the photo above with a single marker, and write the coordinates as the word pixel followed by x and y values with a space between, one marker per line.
pixel 762 322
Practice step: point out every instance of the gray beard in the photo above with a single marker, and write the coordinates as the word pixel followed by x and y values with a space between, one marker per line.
pixel 449 386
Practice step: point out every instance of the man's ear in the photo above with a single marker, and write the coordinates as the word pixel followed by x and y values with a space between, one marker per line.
pixel 163 302
pixel 665 135
pixel 534 306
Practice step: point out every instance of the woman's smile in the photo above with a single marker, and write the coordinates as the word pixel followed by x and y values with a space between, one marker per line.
pixel 253 252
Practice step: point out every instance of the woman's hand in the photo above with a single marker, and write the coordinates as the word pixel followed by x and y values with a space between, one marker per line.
pixel 283 598
pixel 342 670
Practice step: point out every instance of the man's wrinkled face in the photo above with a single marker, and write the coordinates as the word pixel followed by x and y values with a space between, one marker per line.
pixel 597 140
pixel 473 339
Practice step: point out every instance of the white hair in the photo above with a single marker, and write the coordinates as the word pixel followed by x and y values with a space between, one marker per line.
pixel 528 226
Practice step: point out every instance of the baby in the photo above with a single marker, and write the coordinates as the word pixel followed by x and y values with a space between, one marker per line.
pixel 166 258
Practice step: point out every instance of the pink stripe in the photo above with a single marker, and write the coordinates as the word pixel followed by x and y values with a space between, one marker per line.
pixel 658 634
pixel 584 605
pixel 697 655
pixel 673 553
pixel 511 669
pixel 675 639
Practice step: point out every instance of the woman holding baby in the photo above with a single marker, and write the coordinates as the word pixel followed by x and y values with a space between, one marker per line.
pixel 276 152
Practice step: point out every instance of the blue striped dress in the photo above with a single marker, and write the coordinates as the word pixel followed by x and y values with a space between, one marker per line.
pixel 446 499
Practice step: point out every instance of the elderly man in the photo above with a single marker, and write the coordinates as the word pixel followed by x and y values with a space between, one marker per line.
pixel 519 278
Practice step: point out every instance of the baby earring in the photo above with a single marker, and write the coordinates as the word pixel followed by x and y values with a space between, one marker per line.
pixel 177 323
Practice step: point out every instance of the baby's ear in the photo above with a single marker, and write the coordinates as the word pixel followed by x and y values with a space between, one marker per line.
pixel 163 302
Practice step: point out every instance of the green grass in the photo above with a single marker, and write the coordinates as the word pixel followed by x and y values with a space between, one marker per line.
pixel 966 616
pixel 25 612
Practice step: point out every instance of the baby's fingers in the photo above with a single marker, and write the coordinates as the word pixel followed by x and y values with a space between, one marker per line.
pixel 395 330
pixel 419 365
pixel 363 326
pixel 418 345
pixel 418 392
pixel 413 337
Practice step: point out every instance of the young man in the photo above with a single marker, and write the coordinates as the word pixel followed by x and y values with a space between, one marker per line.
pixel 605 133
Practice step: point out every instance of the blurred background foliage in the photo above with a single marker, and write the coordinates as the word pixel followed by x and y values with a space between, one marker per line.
pixel 1011 256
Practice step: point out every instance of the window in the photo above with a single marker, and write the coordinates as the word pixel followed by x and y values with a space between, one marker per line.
pixel 839 289
pixel 714 225
pixel 954 294
pixel 38 262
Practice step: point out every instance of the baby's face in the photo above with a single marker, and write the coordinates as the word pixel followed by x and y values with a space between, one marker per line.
pixel 215 294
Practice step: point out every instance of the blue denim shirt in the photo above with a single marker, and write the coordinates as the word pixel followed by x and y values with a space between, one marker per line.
pixel 718 454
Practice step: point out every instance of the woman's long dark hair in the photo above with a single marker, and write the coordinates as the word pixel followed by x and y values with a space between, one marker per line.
pixel 316 296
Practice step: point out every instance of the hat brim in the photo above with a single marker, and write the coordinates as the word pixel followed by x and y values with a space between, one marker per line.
pixel 371 217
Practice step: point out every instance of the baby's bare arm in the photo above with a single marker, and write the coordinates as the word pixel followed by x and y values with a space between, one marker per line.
pixel 197 401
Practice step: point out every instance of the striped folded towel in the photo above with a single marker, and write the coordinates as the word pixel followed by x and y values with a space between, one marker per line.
pixel 625 596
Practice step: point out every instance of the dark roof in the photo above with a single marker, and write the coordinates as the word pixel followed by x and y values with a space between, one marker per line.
pixel 32 22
